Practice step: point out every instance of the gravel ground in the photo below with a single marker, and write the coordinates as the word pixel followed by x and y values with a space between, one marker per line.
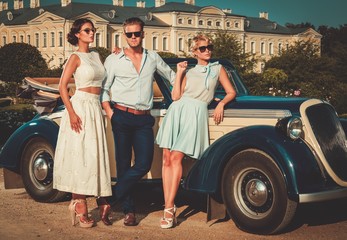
pixel 21 217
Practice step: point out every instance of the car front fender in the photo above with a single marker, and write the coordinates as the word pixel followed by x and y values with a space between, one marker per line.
pixel 294 159
pixel 11 152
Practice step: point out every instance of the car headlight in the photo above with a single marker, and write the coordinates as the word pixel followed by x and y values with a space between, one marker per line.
pixel 294 128
pixel 291 126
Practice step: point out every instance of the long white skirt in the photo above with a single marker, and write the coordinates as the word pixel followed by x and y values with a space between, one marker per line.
pixel 81 162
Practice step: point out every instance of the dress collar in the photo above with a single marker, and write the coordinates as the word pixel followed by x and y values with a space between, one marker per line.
pixel 206 69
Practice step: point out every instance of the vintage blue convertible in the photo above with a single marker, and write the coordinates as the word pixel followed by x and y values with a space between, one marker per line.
pixel 267 156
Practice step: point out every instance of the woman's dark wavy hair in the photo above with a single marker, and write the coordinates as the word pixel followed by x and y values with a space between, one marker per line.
pixel 76 27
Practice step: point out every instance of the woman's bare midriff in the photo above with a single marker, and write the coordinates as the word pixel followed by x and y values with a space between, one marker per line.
pixel 93 90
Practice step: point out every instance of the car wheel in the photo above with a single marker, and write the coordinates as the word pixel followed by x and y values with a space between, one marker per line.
pixel 254 193
pixel 37 171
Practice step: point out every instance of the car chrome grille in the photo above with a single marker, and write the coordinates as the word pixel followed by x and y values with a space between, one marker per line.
pixel 330 136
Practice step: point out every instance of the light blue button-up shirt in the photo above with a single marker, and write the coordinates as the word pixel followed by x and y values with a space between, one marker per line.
pixel 125 86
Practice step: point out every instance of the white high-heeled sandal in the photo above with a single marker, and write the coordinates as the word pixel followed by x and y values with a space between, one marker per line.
pixel 170 222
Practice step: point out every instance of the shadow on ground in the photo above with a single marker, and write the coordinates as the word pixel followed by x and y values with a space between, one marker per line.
pixel 149 198
pixel 317 214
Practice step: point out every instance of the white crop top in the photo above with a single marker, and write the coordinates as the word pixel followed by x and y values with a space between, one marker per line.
pixel 91 71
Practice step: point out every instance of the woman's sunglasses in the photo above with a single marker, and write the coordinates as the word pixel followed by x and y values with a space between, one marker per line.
pixel 87 30
pixel 130 34
pixel 203 48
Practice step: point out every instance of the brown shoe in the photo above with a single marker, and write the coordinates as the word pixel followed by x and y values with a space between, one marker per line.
pixel 130 219
pixel 104 214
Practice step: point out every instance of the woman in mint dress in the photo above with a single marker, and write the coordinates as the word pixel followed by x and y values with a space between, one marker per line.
pixel 184 130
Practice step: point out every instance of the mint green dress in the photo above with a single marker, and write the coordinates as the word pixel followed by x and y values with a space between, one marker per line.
pixel 185 125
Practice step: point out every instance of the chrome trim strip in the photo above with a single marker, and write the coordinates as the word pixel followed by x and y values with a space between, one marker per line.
pixel 254 113
pixel 233 113
pixel 54 115
pixel 154 112
pixel 322 196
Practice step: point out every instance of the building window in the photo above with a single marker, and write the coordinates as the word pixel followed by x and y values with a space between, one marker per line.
pixel 14 39
pixel 244 46
pixel 21 38
pixel 228 24
pixel 190 21
pixel 108 41
pixel 117 40
pixel 4 40
pixel 165 47
pixel 60 61
pixel 189 43
pixel 52 39
pixel 236 25
pixel 154 43
pixel 29 39
pixel 60 39
pixel 280 48
pixel 201 22
pixel 271 49
pixel 180 21
pixel 287 46
pixel 217 24
pixel 44 40
pixel 209 23
pixel 180 44
pixel 262 48
pixel 37 40
pixel 262 66
pixel 253 47
pixel 97 40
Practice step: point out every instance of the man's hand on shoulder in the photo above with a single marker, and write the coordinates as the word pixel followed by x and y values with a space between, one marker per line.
pixel 116 50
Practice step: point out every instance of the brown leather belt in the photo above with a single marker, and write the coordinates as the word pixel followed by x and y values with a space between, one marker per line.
pixel 131 110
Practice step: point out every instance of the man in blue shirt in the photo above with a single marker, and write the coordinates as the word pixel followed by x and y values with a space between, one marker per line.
pixel 127 97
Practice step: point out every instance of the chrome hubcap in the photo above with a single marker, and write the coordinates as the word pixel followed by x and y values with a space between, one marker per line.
pixel 43 168
pixel 256 192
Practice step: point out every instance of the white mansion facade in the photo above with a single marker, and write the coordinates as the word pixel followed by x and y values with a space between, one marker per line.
pixel 169 27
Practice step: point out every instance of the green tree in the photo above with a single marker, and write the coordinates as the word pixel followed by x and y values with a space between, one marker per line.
pixel 18 60
pixel 298 62
pixel 167 55
pixel 312 74
pixel 334 45
pixel 275 82
pixel 300 25
pixel 227 46
pixel 103 52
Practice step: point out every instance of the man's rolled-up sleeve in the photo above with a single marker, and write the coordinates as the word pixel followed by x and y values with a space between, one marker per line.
pixel 109 78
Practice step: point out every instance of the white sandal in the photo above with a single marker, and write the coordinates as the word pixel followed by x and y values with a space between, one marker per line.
pixel 169 222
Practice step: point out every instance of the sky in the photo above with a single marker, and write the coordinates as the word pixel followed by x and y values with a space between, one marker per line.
pixel 331 13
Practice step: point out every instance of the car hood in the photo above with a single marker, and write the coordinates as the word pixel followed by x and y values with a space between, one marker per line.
pixel 266 102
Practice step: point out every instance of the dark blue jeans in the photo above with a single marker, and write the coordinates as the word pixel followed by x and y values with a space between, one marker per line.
pixel 131 132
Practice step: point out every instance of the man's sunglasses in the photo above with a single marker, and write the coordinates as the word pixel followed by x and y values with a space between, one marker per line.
pixel 87 30
pixel 203 48
pixel 130 34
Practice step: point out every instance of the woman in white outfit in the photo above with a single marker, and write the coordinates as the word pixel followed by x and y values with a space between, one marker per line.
pixel 81 163
pixel 184 130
